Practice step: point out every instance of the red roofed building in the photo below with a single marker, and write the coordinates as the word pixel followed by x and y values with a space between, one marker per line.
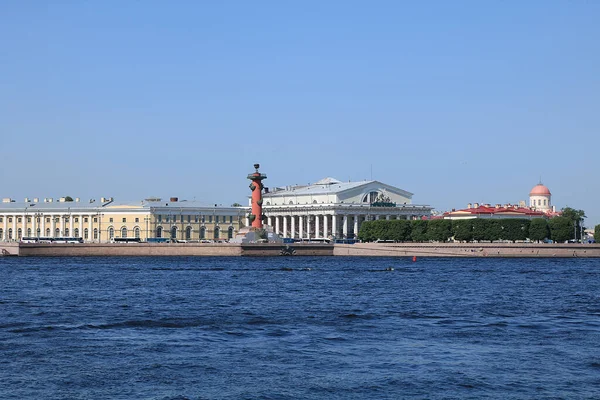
pixel 539 207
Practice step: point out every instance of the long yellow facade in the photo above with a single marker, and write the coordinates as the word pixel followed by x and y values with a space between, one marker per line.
pixel 107 220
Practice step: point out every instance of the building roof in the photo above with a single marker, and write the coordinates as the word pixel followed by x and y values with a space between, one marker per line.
pixel 500 211
pixel 540 190
pixel 325 186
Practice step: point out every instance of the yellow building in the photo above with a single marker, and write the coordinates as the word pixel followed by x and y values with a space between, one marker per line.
pixel 105 220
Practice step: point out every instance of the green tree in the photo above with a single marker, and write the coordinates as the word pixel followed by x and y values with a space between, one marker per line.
pixel 515 229
pixel 463 230
pixel 493 229
pixel 418 232
pixel 366 233
pixel 538 229
pixel 399 230
pixel 480 227
pixel 561 229
pixel 68 198
pixel 236 205
pixel 597 233
pixel 576 217
pixel 439 230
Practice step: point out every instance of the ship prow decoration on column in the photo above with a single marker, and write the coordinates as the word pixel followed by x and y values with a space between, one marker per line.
pixel 256 216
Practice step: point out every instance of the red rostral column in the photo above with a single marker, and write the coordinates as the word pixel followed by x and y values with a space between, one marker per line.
pixel 256 216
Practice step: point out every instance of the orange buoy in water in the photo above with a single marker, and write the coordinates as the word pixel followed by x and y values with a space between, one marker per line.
pixel 414 258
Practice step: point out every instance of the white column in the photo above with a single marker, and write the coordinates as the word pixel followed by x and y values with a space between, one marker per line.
pixel 300 227
pixel 356 216
pixel 14 227
pixel 325 218
pixel 334 225
pixel 345 226
pixel 43 225
pixel 71 225
pixel 277 225
pixel 90 230
pixel 285 230
pixel 34 226
pixel 293 233
pixel 387 217
pixel 52 225
pixel 317 226
pixel 269 222
pixel 4 234
pixel 247 222
pixel 308 226
pixel 62 225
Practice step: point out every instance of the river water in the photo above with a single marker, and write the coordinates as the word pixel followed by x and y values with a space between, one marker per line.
pixel 299 328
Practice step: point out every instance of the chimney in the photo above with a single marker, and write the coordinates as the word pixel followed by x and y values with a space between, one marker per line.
pixel 7 200
pixel 174 199
pixel 469 205
pixel 475 205
pixel 61 200
pixel 76 199
pixel 497 206
pixel 36 200
pixel 26 199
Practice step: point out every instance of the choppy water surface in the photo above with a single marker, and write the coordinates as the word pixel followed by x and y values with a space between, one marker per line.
pixel 287 328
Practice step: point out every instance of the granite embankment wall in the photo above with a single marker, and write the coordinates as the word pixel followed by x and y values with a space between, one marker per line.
pixel 9 249
pixel 168 249
pixel 468 250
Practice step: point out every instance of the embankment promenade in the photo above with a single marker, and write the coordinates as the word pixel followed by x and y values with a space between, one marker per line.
pixel 305 249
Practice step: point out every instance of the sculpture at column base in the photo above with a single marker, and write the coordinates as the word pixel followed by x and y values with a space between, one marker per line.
pixel 257 235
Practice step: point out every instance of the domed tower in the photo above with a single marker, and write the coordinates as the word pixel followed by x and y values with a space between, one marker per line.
pixel 539 198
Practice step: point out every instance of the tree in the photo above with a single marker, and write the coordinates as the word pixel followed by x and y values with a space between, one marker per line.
pixel 399 230
pixel 561 229
pixel 597 233
pixel 576 217
pixel 68 198
pixel 418 231
pixel 439 230
pixel 236 205
pixel 493 229
pixel 463 230
pixel 367 232
pixel 480 229
pixel 515 229
pixel 538 229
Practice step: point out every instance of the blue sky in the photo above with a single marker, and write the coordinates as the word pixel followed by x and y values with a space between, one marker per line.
pixel 455 101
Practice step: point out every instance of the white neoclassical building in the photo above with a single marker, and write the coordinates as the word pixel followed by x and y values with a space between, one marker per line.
pixel 334 209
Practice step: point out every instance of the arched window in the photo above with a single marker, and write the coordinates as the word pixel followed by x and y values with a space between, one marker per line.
pixel 124 232
pixel 10 233
pixel 95 233
pixel 86 234
pixel 217 232
pixel 159 232
pixel 370 197
pixel 291 202
pixel 314 202
pixel 19 233
pixel 38 232
pixel 57 232
pixel 174 232
pixel 544 201
pixel 28 231
pixel 539 202
pixel 230 233
pixel 67 232
pixel 48 232
pixel 268 203
pixel 1 234
pixel 188 233
pixel 136 232
pixel 203 233
pixel 111 232
pixel 76 232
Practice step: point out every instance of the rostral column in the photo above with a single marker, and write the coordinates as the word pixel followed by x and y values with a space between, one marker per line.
pixel 256 217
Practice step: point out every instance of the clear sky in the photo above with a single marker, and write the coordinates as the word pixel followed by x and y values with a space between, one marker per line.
pixel 454 101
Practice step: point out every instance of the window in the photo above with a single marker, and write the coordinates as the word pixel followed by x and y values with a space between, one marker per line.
pixel 195 218
pixel 111 232
pixel 189 218
pixel 291 202
pixel 85 219
pixel 76 232
pixel 136 232
pixel 95 233
pixel 1 219
pixel 203 219
pixel 230 233
pixel 48 220
pixel 167 218
pixel 10 219
pixel 57 232
pixel 124 231
pixel 188 233
pixel 28 219
pixel 544 201
pixel 217 219
pixel 217 232
pixel 48 232
pixel 210 219
pixel 203 233
pixel 231 219
pixel 181 219
pixel 110 220
pixel 86 234
pixel 539 202
pixel 28 231
pixel 124 220
pixel 38 232
pixel 159 218
pixel 19 219
pixel 159 232
pixel 174 232
pixel 76 219
pixel 66 219
pixel 67 232
pixel 137 220
pixel 95 219
pixel 10 233
pixel 56 220
pixel 37 220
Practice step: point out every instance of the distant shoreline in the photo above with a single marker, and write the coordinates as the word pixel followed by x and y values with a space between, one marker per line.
pixel 464 250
